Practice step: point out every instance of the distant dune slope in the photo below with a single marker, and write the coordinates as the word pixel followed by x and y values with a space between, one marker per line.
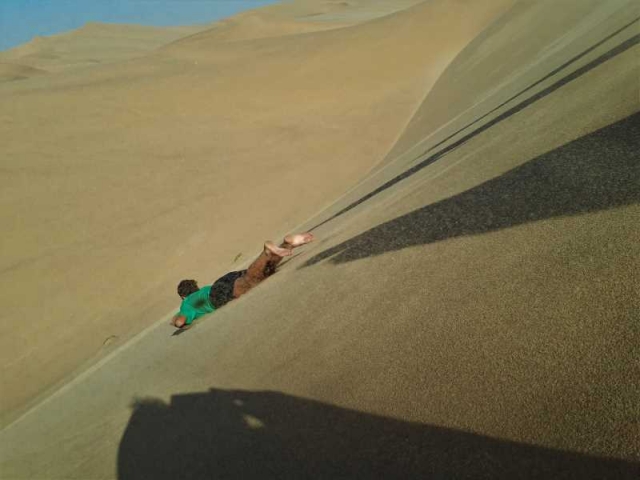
pixel 130 175
pixel 469 309
pixel 93 44
pixel 290 18
pixel 10 72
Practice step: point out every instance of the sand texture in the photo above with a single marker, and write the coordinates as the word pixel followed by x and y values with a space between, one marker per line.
pixel 470 307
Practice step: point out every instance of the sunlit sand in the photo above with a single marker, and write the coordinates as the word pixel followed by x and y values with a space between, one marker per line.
pixel 474 267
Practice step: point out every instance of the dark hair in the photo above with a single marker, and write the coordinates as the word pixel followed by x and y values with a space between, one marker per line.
pixel 187 287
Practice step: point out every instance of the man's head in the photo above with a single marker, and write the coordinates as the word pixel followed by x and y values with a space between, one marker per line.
pixel 187 287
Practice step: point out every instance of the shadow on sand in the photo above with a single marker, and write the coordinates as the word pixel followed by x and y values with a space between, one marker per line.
pixel 596 172
pixel 437 155
pixel 247 435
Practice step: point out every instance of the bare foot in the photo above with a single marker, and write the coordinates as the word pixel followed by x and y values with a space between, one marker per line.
pixel 295 240
pixel 271 247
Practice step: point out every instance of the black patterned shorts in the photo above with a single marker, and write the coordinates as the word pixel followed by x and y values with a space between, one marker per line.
pixel 222 289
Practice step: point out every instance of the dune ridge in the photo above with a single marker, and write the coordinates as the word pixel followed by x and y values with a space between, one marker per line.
pixel 552 51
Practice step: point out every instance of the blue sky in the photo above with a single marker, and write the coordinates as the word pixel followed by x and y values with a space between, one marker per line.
pixel 21 20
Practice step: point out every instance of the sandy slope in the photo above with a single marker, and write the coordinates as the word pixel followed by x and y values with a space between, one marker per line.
pixel 10 72
pixel 469 310
pixel 486 86
pixel 93 44
pixel 220 146
pixel 290 18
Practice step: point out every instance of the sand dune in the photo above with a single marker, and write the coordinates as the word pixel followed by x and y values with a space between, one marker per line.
pixel 298 17
pixel 469 309
pixel 528 64
pixel 319 116
pixel 93 44
pixel 10 72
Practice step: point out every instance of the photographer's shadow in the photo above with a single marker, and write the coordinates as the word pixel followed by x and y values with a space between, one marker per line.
pixel 247 435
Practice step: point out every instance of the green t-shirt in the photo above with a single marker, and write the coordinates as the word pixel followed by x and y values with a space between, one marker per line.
pixel 196 305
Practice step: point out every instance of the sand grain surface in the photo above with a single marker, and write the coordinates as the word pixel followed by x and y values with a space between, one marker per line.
pixel 469 309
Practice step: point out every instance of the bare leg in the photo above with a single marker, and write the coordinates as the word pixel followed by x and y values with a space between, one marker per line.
pixel 265 264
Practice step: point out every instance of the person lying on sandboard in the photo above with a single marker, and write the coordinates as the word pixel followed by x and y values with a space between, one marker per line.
pixel 197 301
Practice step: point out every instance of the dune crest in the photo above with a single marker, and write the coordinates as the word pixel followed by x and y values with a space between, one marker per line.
pixel 295 18
pixel 482 86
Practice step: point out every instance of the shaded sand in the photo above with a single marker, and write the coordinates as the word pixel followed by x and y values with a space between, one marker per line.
pixel 469 309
